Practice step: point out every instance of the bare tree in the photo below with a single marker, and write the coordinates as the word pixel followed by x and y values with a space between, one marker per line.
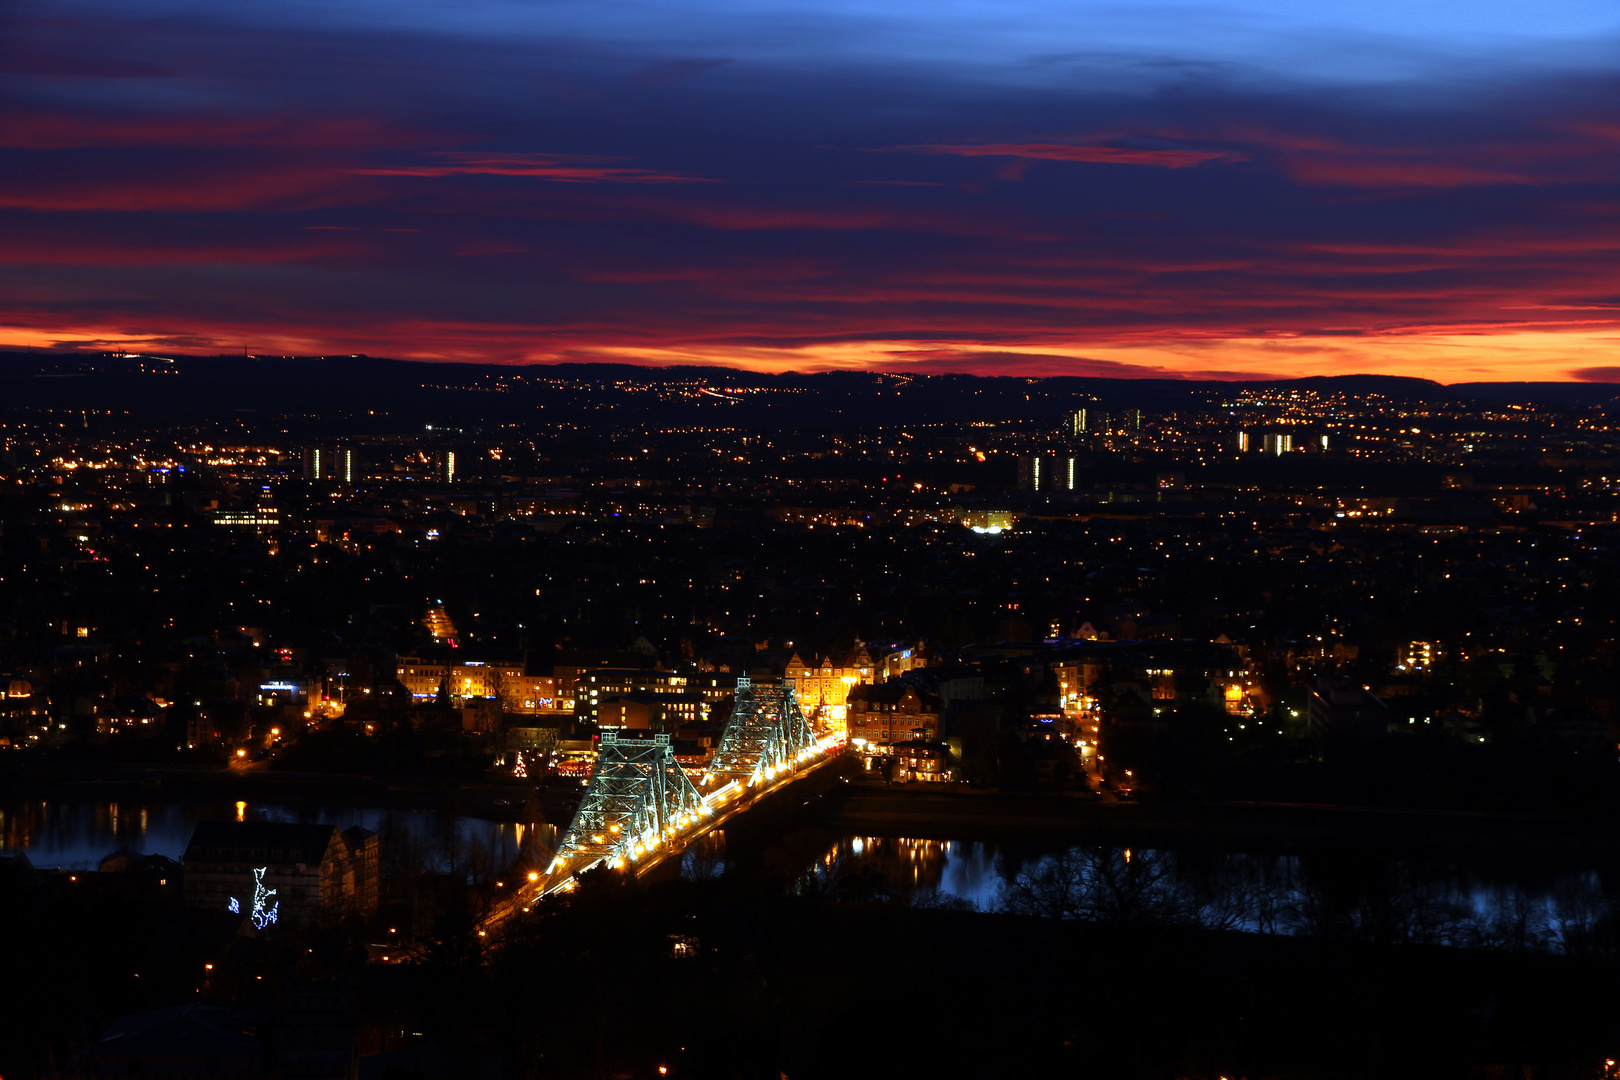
pixel 1104 885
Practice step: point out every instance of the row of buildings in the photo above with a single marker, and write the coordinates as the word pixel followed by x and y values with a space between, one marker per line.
pixel 273 872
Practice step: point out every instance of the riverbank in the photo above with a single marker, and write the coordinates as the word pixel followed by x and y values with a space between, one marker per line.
pixel 962 813
pixel 482 796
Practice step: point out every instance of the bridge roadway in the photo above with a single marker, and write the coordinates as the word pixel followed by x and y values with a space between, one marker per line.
pixel 728 802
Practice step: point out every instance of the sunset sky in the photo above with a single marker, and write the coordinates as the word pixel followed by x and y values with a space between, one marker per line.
pixel 1207 189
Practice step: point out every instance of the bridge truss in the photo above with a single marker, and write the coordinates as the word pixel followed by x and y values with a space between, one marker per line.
pixel 639 805
pixel 766 736
pixel 638 799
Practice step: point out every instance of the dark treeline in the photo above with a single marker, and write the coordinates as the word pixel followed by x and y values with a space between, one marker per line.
pixel 1094 966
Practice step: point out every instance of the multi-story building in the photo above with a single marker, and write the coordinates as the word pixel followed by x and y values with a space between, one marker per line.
pixel 1343 707
pixel 331 463
pixel 567 665
pixel 1048 472
pixel 593 688
pixel 273 871
pixel 899 661
pixel 128 713
pixel 1419 655
pixel 826 686
pixel 24 715
pixel 508 681
pixel 917 762
pixel 714 688
pixel 651 711
pixel 887 713
pixel 261 517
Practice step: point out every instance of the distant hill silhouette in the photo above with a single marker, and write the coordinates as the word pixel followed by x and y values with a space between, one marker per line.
pixel 399 394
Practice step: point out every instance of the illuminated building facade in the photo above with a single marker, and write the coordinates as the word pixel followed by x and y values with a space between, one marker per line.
pixel 593 688
pixel 985 521
pixel 517 691
pixel 1048 472
pixel 261 517
pixel 1418 655
pixel 1075 679
pixel 129 713
pixel 919 763
pixel 900 661
pixel 824 689
pixel 654 712
pixel 24 716
pixel 331 463
pixel 1278 444
pixel 887 713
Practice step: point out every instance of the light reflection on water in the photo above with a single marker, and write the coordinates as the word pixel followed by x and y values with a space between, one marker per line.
pixel 964 870
pixel 77 833
pixel 1356 894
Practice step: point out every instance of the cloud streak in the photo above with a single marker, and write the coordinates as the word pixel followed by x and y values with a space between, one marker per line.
pixel 1090 155
pixel 561 168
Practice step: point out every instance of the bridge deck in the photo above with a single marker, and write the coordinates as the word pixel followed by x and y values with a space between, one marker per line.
pixel 731 802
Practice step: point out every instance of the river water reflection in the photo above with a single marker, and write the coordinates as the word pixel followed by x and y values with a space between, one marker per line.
pixel 1342 893
pixel 78 833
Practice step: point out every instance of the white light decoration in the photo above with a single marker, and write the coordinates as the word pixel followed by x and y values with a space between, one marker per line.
pixel 262 916
pixel 640 802
pixel 236 909
pixel 767 729
pixel 637 789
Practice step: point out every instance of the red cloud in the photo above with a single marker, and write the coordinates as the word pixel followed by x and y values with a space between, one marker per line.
pixel 1376 173
pixel 149 247
pixel 982 361
pixel 200 188
pixel 1094 155
pixel 1529 160
pixel 563 168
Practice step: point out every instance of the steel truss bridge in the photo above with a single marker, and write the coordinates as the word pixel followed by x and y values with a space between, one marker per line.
pixel 640 807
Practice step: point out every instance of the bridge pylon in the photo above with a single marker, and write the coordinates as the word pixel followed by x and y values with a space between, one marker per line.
pixel 766 736
pixel 638 800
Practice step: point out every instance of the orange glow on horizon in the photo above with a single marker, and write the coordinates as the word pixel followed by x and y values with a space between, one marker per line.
pixel 1444 354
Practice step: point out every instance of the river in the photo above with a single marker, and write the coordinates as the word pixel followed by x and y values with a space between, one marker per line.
pixel 78 833
pixel 1335 892
pixel 1356 893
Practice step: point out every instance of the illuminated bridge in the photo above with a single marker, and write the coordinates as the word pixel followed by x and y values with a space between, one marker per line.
pixel 640 807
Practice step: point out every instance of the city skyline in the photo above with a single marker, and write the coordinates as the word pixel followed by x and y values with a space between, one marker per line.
pixel 1216 191
pixel 343 695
